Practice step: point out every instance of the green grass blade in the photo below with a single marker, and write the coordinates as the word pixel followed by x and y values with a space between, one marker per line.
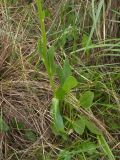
pixel 95 20
pixel 105 147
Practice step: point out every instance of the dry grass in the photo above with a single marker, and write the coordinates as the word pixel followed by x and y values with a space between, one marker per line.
pixel 22 97
pixel 28 106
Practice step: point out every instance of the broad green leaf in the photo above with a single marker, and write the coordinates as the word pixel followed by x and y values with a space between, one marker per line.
pixel 86 99
pixel 69 83
pixel 57 118
pixel 105 147
pixel 30 135
pixel 91 126
pixel 79 126
pixel 3 125
pixel 51 61
pixel 60 93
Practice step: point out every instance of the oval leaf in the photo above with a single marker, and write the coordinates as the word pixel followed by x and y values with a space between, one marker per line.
pixel 86 100
pixel 79 126
pixel 69 83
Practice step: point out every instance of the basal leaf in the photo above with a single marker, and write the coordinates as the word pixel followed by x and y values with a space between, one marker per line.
pixel 79 126
pixel 60 93
pixel 57 118
pixel 86 99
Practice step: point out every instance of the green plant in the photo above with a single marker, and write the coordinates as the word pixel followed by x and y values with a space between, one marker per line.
pixel 105 147
pixel 3 125
pixel 78 150
pixel 68 82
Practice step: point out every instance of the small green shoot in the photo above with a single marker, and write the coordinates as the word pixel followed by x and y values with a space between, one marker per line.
pixel 31 136
pixel 3 125
pixel 19 125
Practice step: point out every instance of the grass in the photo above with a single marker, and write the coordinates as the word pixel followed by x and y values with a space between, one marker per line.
pixel 59 80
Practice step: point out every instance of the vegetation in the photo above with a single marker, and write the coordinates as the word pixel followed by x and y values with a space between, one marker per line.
pixel 59 80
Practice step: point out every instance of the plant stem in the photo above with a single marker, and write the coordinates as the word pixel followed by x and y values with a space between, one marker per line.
pixel 41 16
